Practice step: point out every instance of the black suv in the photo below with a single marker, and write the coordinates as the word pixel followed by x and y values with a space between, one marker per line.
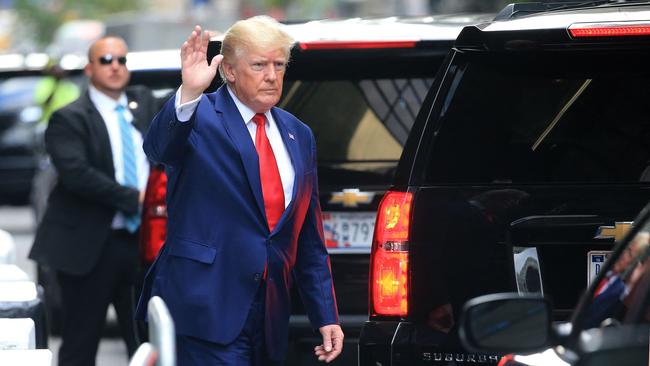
pixel 529 154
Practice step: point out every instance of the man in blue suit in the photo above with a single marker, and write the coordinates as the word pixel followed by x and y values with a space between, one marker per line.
pixel 244 215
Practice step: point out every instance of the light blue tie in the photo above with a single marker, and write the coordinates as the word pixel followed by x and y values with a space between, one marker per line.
pixel 128 159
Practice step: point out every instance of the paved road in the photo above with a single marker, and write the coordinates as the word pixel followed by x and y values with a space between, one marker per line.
pixel 19 222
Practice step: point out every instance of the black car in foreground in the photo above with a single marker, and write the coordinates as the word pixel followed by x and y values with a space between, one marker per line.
pixel 529 153
pixel 611 325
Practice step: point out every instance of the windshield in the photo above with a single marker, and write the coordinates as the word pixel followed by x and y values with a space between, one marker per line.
pixel 556 118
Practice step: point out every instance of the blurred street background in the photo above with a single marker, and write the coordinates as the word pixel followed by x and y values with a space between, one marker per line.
pixel 62 26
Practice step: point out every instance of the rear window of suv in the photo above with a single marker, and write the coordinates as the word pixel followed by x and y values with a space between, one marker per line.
pixel 360 103
pixel 360 125
pixel 558 118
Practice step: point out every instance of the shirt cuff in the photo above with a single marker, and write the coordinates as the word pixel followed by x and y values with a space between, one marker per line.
pixel 184 111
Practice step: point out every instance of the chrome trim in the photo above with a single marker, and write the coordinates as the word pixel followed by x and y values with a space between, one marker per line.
pixel 616 232
pixel 351 197
pixel 364 250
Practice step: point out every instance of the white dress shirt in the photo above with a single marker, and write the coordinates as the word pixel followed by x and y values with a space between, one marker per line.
pixel 106 107
pixel 287 174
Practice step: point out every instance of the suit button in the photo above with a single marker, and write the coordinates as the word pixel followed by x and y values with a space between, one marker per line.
pixel 257 277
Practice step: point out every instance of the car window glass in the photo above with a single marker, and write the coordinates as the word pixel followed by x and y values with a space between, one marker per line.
pixel 624 288
pixel 360 125
pixel 396 102
pixel 553 119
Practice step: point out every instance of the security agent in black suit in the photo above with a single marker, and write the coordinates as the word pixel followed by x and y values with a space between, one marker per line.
pixel 88 234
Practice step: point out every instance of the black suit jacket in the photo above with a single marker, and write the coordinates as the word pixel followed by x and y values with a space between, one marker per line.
pixel 80 209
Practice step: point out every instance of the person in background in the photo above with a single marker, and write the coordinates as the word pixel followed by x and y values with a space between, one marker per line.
pixel 244 214
pixel 52 92
pixel 88 234
pixel 55 90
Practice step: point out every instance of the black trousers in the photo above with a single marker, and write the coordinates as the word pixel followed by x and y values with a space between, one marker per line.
pixel 85 301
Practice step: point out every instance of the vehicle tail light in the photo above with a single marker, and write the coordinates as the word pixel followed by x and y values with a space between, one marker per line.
pixel 153 229
pixel 620 29
pixel 389 256
pixel 328 45
pixel 507 360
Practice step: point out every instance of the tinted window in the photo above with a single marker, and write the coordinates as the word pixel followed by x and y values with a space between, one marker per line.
pixel 357 120
pixel 529 119
pixel 360 125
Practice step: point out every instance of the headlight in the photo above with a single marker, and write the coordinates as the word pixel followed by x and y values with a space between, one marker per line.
pixel 31 114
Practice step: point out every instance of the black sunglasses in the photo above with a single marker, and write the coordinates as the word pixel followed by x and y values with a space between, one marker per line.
pixel 108 58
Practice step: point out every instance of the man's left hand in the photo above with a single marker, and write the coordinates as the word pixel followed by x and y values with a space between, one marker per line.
pixel 332 343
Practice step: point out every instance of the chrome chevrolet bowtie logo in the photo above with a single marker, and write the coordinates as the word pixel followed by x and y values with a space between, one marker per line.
pixel 616 232
pixel 351 197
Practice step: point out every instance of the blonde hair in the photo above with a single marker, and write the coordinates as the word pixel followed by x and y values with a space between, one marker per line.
pixel 256 33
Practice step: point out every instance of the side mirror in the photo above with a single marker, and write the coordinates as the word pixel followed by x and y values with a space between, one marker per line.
pixel 506 323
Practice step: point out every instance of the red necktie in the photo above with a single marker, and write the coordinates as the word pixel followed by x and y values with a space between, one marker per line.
pixel 269 174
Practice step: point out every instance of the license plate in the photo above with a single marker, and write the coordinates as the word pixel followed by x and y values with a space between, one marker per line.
pixel 348 229
pixel 595 262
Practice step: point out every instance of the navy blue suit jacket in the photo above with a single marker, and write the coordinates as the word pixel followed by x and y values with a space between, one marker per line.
pixel 218 241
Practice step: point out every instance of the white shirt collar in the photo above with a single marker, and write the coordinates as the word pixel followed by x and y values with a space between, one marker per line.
pixel 245 112
pixel 104 103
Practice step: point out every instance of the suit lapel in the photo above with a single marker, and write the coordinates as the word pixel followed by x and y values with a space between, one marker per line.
pixel 289 139
pixel 137 111
pixel 97 123
pixel 241 137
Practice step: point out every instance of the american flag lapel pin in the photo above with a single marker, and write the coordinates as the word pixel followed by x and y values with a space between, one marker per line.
pixel 291 136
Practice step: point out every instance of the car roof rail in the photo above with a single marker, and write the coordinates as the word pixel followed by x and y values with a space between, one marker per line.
pixel 516 10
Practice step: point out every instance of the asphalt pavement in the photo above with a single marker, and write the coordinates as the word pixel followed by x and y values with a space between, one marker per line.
pixel 19 222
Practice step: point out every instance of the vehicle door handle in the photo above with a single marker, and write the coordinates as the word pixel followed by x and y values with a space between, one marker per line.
pixel 555 230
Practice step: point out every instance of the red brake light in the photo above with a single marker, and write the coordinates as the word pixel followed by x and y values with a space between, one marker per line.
pixel 627 29
pixel 153 229
pixel 506 360
pixel 389 257
pixel 327 45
